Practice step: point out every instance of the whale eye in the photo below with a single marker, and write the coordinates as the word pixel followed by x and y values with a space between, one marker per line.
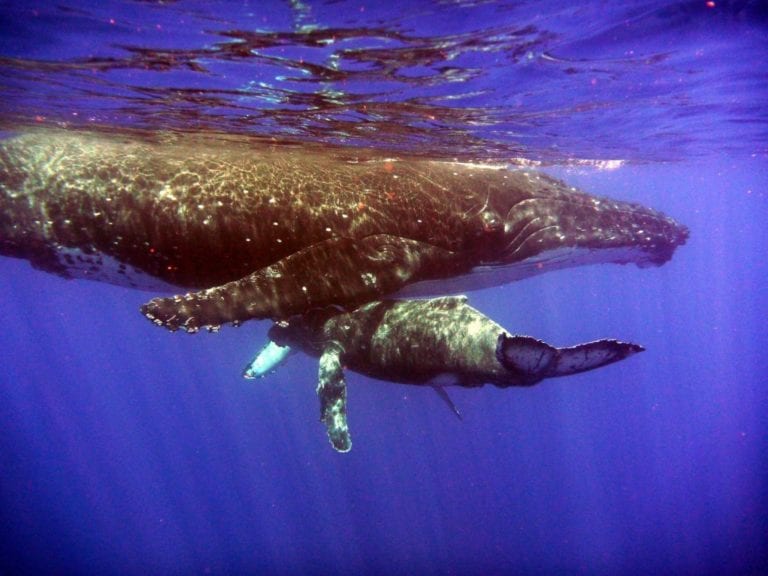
pixel 487 230
pixel 491 222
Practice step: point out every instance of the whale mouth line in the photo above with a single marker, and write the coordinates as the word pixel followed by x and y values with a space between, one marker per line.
pixel 497 274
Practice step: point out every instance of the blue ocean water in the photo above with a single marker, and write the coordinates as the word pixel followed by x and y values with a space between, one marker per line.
pixel 129 450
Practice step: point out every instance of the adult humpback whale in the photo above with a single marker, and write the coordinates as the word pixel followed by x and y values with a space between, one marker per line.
pixel 422 342
pixel 269 232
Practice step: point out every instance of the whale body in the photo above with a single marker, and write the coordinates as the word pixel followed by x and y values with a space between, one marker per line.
pixel 259 231
pixel 436 342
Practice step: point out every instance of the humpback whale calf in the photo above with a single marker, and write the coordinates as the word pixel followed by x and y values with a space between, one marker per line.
pixel 270 232
pixel 438 342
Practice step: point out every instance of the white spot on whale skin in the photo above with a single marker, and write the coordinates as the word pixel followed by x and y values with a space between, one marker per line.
pixel 103 268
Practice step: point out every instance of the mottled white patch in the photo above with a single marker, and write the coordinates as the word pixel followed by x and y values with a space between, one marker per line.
pixel 368 279
pixel 475 329
pixel 102 268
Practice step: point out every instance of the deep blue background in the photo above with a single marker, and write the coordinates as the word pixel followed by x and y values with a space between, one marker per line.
pixel 128 450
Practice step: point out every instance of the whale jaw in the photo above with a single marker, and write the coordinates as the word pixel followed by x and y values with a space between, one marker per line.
pixel 491 276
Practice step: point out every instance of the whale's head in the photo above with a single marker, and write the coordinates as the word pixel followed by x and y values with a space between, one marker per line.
pixel 558 226
pixel 532 223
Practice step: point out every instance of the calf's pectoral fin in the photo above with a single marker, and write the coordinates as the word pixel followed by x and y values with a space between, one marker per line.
pixel 534 360
pixel 267 360
pixel 332 391
pixel 338 271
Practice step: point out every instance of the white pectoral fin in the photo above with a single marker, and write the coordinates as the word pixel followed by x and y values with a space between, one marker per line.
pixel 267 360
pixel 332 391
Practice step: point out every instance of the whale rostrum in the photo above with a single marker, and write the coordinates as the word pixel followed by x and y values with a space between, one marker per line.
pixel 258 231
pixel 437 342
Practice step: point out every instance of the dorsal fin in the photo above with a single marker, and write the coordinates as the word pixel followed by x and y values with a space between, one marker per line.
pixel 443 393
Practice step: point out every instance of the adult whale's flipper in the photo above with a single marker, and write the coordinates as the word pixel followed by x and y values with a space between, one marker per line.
pixel 337 270
pixel 535 360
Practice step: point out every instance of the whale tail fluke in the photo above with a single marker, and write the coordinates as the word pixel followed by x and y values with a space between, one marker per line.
pixel 592 355
pixel 526 357
pixel 532 360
